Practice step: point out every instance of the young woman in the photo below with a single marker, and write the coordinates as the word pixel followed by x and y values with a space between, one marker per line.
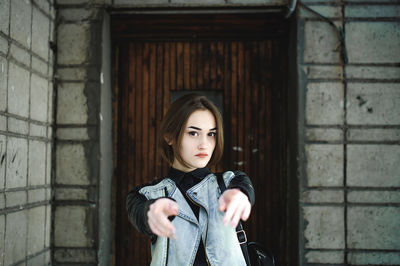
pixel 187 218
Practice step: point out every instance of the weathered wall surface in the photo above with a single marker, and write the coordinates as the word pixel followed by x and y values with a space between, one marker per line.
pixel 26 122
pixel 78 119
pixel 350 191
pixel 349 130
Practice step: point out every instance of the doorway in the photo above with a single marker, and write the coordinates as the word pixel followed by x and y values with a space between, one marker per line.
pixel 241 57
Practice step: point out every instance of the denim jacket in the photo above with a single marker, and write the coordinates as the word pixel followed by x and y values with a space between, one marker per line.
pixel 220 242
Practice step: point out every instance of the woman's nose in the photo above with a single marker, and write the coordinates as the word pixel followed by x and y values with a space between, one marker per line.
pixel 203 144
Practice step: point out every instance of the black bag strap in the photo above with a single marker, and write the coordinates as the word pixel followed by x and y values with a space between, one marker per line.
pixel 241 234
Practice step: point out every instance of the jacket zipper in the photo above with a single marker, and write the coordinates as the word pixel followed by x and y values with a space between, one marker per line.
pixel 205 245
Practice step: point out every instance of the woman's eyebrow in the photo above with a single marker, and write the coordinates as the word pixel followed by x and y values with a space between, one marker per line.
pixel 196 128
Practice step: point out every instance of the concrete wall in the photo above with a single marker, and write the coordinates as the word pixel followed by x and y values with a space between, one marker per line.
pixel 350 179
pixel 349 131
pixel 26 129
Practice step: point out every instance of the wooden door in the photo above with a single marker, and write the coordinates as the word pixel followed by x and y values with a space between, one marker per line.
pixel 237 56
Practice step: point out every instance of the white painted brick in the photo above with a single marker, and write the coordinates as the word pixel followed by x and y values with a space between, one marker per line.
pixel 3 151
pixel 3 83
pixel 72 73
pixel 73 43
pixel 39 66
pixel 17 161
pixel 374 196
pixel 372 72
pixel 20 27
pixel 48 226
pixel 72 165
pixel 2 204
pixel 323 196
pixel 311 2
pixel 50 103
pixel 43 4
pixel 40 34
pixel 37 130
pixel 323 72
pixel 321 257
pixel 324 134
pixel 20 55
pixel 3 123
pixel 37 165
pixel 73 133
pixel 48 163
pixel 373 42
pixel 48 193
pixel 2 233
pixel 374 258
pixel 18 126
pixel 70 227
pixel 15 240
pixel 18 90
pixel 324 165
pixel 324 103
pixel 36 223
pixel 373 165
pixel 71 104
pixel 71 194
pixel 47 258
pixel 77 14
pixel 373 103
pixel 320 43
pixel 38 99
pixel 36 261
pixel 332 12
pixel 36 195
pixel 262 2
pixel 210 2
pixel 380 227
pixel 372 11
pixel 3 46
pixel 75 255
pixel 16 198
pixel 4 17
pixel 374 134
pixel 139 2
pixel 324 227
pixel 72 2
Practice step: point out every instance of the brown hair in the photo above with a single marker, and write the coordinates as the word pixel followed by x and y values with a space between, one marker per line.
pixel 172 127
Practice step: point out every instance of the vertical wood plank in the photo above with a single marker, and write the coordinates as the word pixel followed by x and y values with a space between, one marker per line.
pixel 179 66
pixel 186 66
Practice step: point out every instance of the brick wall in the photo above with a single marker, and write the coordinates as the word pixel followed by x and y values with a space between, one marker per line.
pixel 26 121
pixel 350 181
pixel 77 135
pixel 349 130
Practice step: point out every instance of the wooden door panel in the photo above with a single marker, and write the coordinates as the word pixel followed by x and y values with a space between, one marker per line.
pixel 251 75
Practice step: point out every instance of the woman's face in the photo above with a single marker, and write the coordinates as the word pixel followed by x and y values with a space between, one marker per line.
pixel 198 141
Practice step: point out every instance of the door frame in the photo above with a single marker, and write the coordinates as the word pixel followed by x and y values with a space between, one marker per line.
pixel 106 249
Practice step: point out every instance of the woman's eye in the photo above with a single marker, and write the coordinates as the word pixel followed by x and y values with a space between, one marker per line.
pixel 212 134
pixel 193 133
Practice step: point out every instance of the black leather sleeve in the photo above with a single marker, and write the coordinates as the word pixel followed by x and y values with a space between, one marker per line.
pixel 243 182
pixel 137 207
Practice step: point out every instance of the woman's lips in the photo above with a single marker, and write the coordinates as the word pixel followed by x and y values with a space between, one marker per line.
pixel 202 155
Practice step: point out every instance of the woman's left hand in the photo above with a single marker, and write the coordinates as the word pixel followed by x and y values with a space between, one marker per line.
pixel 236 206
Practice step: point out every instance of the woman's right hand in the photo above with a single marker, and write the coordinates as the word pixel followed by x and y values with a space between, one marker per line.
pixel 157 217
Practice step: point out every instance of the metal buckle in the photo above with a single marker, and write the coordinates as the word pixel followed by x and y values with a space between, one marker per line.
pixel 240 236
